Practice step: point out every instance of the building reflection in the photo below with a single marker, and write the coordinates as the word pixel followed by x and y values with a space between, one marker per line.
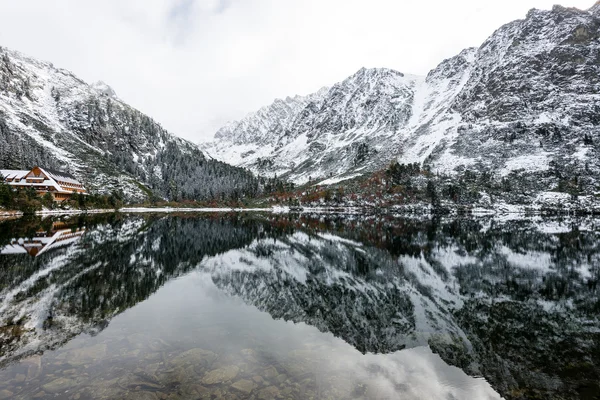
pixel 60 235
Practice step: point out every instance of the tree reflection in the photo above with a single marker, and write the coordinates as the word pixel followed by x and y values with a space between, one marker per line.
pixel 514 301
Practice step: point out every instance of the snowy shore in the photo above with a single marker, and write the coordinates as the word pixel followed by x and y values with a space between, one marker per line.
pixel 423 209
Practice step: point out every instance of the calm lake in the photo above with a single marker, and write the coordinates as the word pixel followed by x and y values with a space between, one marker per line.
pixel 265 306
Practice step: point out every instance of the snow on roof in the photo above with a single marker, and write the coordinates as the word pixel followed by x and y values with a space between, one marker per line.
pixel 61 174
pixel 60 238
pixel 13 173
pixel 54 175
pixel 13 249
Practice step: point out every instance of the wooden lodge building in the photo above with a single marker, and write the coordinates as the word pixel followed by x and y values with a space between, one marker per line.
pixel 60 184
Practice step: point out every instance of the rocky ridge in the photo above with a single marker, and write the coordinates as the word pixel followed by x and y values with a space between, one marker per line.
pixel 523 106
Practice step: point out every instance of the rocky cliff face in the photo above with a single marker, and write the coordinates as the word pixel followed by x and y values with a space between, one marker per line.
pixel 531 102
pixel 523 105
pixel 331 132
pixel 50 117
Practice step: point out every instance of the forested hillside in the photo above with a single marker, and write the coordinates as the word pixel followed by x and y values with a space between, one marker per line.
pixel 49 117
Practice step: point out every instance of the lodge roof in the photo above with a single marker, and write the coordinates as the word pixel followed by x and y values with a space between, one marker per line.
pixel 54 176
pixel 60 176
pixel 59 173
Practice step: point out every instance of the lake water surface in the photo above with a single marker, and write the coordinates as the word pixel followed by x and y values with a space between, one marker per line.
pixel 263 306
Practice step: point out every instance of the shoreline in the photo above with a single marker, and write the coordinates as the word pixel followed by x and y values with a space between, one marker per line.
pixel 404 209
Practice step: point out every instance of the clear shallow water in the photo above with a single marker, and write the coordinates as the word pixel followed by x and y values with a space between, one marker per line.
pixel 261 306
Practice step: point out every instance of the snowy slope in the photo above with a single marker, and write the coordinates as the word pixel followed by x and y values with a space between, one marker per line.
pixel 526 101
pixel 331 132
pixel 50 117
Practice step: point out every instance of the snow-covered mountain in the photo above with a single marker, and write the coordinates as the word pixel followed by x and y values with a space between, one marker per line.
pixel 330 132
pixel 527 101
pixel 50 117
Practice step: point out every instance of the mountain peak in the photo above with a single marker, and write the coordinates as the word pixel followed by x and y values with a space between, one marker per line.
pixel 104 88
pixel 556 9
pixel 524 100
pixel 370 77
pixel 376 72
pixel 299 136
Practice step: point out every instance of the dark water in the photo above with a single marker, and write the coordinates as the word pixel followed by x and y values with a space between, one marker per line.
pixel 299 307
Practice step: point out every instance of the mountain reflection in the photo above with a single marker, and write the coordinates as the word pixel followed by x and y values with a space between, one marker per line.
pixel 516 301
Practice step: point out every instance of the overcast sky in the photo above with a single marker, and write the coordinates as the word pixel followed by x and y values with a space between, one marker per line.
pixel 192 65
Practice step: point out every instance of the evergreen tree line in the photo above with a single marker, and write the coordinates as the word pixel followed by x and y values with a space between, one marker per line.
pixel 170 167
pixel 467 187
pixel 22 152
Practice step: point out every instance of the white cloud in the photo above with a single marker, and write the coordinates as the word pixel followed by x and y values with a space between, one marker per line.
pixel 194 64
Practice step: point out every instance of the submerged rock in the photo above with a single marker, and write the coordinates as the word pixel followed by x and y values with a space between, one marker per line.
pixel 220 375
pixel 268 393
pixel 244 386
pixel 142 396
pixel 196 357
pixel 177 376
pixel 5 394
pixel 270 373
pixel 59 385
pixel 203 391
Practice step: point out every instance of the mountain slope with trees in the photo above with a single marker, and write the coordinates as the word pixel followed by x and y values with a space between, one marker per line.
pixel 50 117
